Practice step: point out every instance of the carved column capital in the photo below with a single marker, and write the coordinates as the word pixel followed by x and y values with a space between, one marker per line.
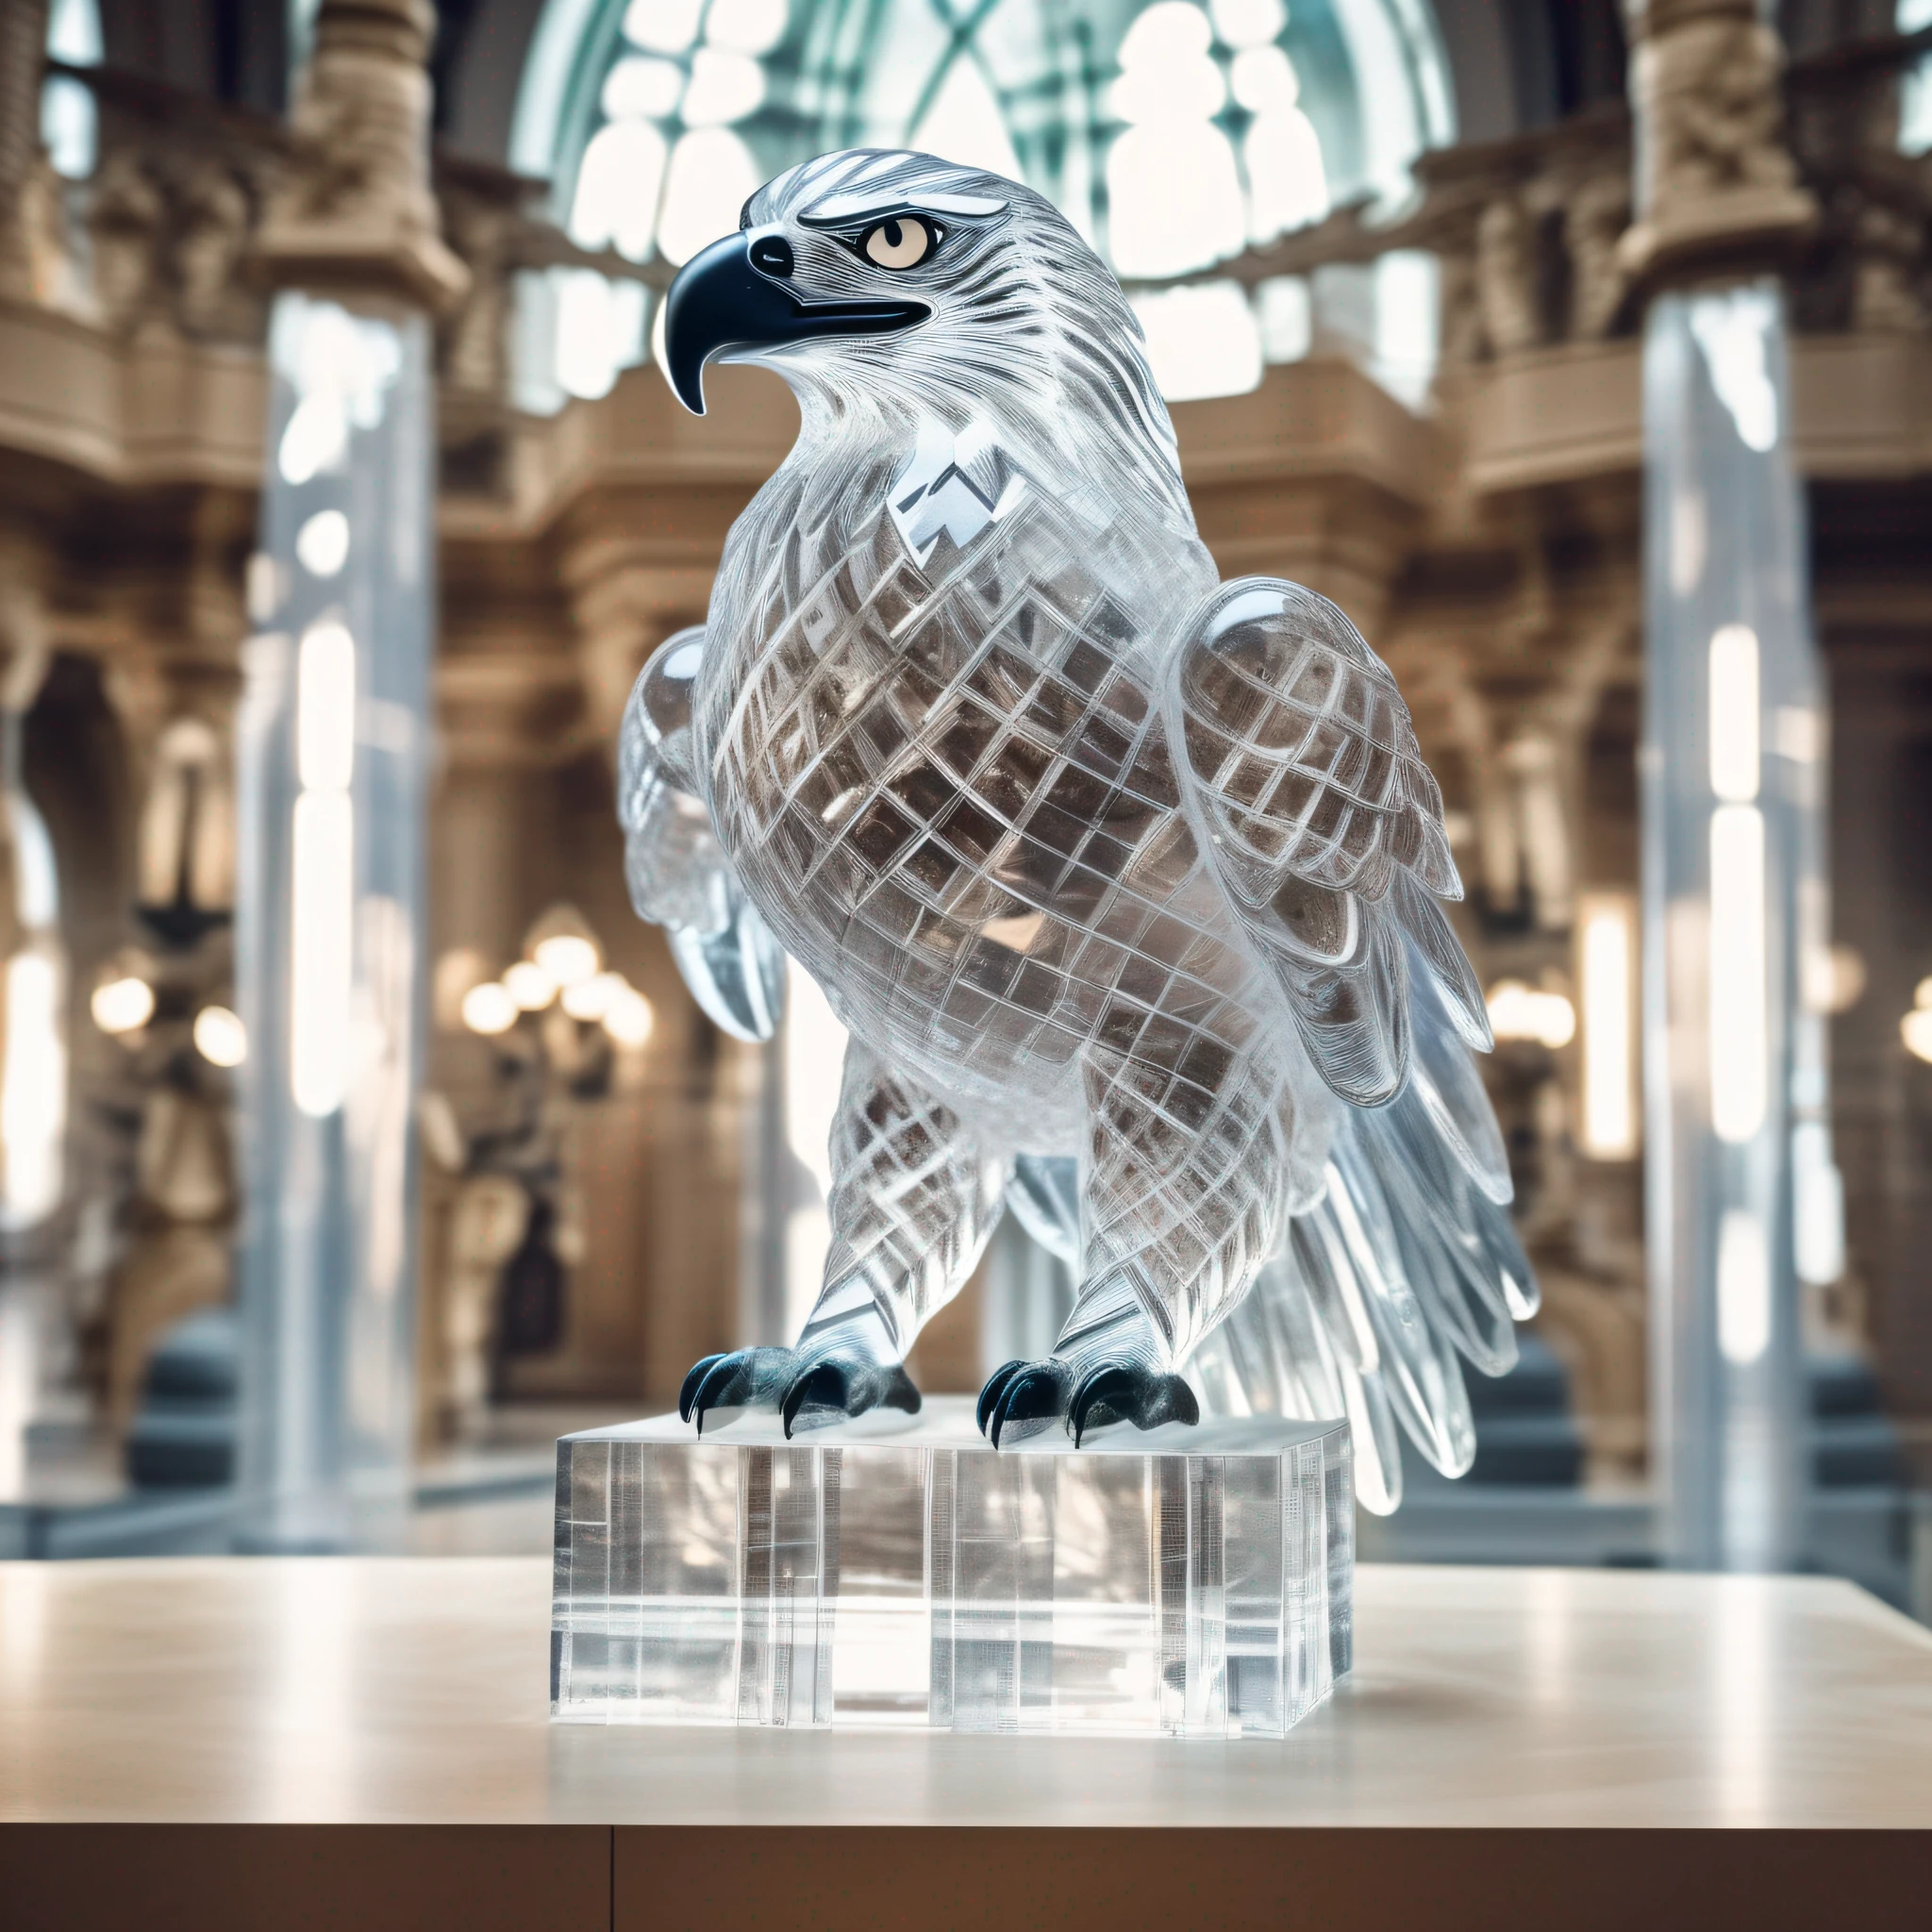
pixel 1716 187
pixel 355 211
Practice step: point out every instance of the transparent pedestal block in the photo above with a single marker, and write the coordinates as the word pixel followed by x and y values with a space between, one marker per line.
pixel 1187 1582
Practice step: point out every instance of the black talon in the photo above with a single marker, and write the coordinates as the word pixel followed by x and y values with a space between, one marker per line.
pixel 775 1378
pixel 1109 1390
pixel 995 1388
pixel 1036 1393
pixel 825 1385
pixel 1119 1392
pixel 721 1388
pixel 688 1394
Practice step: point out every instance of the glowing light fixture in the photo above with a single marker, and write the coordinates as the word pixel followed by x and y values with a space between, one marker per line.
pixel 219 1037
pixel 326 708
pixel 1518 1011
pixel 1818 1206
pixel 489 1008
pixel 321 544
pixel 1744 1287
pixel 322 890
pixel 628 1020
pixel 123 1005
pixel 531 986
pixel 563 945
pixel 1915 1029
pixel 592 998
pixel 567 959
pixel 1605 946
pixel 1740 1018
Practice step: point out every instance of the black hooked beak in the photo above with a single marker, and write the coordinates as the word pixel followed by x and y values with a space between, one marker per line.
pixel 732 295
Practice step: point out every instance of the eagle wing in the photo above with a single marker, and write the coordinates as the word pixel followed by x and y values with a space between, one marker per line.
pixel 1307 787
pixel 679 875
pixel 1300 772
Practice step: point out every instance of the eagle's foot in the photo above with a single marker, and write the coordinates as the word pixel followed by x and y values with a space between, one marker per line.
pixel 1023 1392
pixel 1126 1392
pixel 811 1392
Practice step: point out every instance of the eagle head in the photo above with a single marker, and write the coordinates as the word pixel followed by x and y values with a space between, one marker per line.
pixel 879 271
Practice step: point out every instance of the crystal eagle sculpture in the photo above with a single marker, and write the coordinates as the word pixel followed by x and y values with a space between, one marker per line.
pixel 1124 880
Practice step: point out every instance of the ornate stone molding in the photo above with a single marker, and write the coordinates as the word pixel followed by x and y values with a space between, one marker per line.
pixel 1716 186
pixel 357 211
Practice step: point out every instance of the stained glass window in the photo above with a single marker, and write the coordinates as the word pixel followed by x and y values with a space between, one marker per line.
pixel 1172 135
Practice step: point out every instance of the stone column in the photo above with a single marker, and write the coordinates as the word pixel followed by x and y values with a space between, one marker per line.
pixel 334 740
pixel 1731 775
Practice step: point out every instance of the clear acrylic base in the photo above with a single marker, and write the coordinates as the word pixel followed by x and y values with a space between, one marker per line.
pixel 899 1571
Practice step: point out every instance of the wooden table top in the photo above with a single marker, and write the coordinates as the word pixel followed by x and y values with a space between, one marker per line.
pixel 412 1690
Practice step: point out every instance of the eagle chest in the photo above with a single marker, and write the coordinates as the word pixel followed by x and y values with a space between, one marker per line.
pixel 955 739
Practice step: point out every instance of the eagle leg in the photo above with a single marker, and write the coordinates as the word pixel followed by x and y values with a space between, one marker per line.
pixel 914 1198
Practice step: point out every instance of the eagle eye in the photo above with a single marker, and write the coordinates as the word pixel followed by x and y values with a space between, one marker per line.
pixel 904 242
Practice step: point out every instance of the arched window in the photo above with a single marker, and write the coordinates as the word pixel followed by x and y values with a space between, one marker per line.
pixel 67 105
pixel 1171 134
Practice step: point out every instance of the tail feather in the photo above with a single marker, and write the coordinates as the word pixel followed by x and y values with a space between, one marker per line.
pixel 1445 1080
pixel 1277 1355
pixel 1405 1268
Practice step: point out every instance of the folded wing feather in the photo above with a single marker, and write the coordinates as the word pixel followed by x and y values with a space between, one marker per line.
pixel 1308 792
pixel 1305 782
pixel 679 873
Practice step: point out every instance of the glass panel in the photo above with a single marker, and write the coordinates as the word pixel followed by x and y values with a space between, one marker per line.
pixel 334 740
pixel 1732 779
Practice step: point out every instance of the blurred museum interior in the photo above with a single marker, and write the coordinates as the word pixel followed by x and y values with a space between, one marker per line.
pixel 353 1128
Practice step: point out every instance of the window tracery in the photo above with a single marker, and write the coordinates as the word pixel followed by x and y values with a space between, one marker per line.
pixel 1173 134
